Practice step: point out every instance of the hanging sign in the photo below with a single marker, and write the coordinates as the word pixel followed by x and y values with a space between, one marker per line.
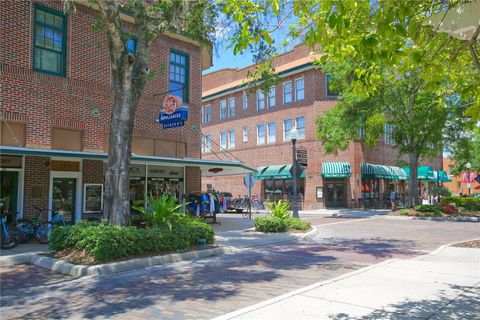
pixel 172 115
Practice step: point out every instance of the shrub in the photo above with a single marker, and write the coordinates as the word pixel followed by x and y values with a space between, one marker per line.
pixel 160 211
pixel 270 224
pixel 108 242
pixel 280 210
pixel 297 224
pixel 428 208
pixel 404 212
pixel 449 209
pixel 469 203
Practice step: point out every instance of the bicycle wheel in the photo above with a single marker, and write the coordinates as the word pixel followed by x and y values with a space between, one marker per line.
pixel 23 229
pixel 43 232
pixel 8 239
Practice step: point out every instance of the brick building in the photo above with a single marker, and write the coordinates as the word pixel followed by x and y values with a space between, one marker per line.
pixel 459 184
pixel 255 129
pixel 55 110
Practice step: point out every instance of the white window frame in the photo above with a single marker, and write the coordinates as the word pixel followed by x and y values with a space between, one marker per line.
pixel 224 107
pixel 388 134
pixel 270 135
pixel 289 131
pixel 259 142
pixel 245 134
pixel 206 143
pixel 245 101
pixel 272 92
pixel 260 93
pixel 231 108
pixel 223 147
pixel 302 90
pixel 300 130
pixel 230 141
pixel 207 113
pixel 284 93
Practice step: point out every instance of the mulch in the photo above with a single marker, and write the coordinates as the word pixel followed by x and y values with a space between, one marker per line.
pixel 468 244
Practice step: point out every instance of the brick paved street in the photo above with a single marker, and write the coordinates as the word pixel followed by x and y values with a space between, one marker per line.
pixel 210 287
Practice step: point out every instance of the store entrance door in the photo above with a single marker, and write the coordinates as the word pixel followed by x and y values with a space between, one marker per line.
pixel 64 196
pixel 8 193
pixel 335 193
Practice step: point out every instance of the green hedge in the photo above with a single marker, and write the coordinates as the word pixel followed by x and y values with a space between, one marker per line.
pixel 108 242
pixel 468 203
pixel 274 224
pixel 429 208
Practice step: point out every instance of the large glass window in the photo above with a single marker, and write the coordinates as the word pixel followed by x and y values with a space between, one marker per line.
pixel 206 143
pixel 260 100
pixel 231 139
pixel 49 50
pixel 287 129
pixel 206 114
pixel 271 132
pixel 300 126
pixel 261 134
pixel 245 101
pixel 287 92
pixel 231 107
pixel 223 140
pixel 223 109
pixel 271 97
pixel 245 134
pixel 179 75
pixel 299 89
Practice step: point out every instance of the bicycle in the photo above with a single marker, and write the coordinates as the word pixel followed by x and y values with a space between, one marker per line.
pixel 254 203
pixel 40 231
pixel 9 240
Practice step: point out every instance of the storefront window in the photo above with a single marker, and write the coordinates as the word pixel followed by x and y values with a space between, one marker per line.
pixel 268 190
pixel 165 180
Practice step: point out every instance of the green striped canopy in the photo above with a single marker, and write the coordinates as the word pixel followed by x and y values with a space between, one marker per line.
pixel 275 172
pixel 336 170
pixel 424 173
pixel 444 177
pixel 378 171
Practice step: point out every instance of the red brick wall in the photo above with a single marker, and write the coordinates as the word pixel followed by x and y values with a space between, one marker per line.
pixel 92 171
pixel 37 177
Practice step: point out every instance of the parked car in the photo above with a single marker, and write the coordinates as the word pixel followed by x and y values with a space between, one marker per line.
pixel 229 199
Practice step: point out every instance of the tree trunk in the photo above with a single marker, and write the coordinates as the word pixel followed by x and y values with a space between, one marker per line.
pixel 413 181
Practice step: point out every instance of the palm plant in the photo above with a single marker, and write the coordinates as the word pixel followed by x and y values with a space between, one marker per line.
pixel 280 209
pixel 159 211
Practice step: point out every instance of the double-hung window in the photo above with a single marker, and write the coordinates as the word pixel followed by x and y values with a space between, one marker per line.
pixel 245 134
pixel 300 126
pixel 389 132
pixel 207 114
pixel 223 109
pixel 207 144
pixel 272 132
pixel 260 100
pixel 287 129
pixel 245 101
pixel 271 97
pixel 231 107
pixel 49 47
pixel 261 134
pixel 287 92
pixel 231 139
pixel 299 89
pixel 223 140
pixel 179 74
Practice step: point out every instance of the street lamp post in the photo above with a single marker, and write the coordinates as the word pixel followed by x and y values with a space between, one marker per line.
pixel 293 137
pixel 468 166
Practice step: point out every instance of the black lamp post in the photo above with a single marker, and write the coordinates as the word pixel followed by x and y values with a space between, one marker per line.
pixel 293 137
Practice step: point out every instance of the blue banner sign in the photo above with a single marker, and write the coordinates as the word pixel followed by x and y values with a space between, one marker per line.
pixel 175 119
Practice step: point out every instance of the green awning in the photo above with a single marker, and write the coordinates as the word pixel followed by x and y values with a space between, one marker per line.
pixel 275 172
pixel 444 177
pixel 424 173
pixel 336 170
pixel 398 173
pixel 376 171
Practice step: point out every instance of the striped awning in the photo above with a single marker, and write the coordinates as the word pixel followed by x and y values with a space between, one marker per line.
pixel 336 170
pixel 378 171
pixel 275 172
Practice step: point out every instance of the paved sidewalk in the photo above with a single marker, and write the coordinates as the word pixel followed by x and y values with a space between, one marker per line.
pixel 442 285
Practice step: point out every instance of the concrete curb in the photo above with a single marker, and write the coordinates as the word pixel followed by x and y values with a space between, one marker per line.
pixel 63 267
pixel 309 235
pixel 453 219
